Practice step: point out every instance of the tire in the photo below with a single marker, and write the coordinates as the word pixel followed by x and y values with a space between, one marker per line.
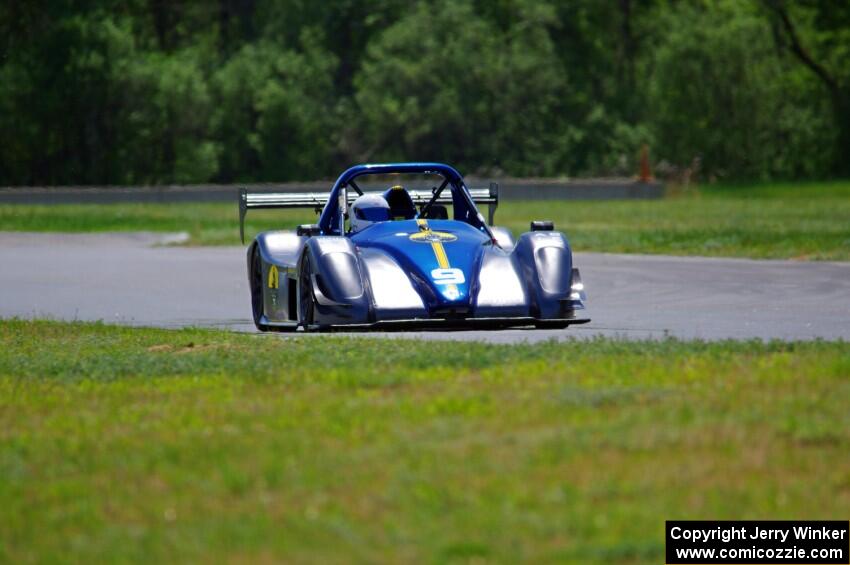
pixel 256 283
pixel 306 300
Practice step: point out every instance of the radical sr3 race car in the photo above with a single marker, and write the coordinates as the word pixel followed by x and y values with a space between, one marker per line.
pixel 393 258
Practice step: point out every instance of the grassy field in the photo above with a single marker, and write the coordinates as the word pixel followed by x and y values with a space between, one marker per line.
pixel 799 221
pixel 133 445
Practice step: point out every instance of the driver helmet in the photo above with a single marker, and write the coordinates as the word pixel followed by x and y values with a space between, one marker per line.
pixel 367 210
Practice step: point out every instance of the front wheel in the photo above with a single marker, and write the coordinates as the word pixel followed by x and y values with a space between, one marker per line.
pixel 256 283
pixel 306 299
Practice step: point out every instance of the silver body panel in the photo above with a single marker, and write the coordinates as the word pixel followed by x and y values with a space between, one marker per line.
pixel 280 253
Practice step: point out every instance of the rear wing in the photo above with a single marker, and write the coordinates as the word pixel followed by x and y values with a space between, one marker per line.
pixel 316 201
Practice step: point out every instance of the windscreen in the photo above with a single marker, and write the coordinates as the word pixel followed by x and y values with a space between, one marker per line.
pixel 379 183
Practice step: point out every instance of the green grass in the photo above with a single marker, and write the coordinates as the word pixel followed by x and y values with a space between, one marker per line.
pixel 799 221
pixel 131 445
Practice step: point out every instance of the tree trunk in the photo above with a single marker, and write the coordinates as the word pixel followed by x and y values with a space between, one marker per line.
pixel 839 93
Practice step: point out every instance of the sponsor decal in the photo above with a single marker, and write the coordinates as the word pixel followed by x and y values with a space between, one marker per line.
pixel 451 292
pixel 274 277
pixel 429 236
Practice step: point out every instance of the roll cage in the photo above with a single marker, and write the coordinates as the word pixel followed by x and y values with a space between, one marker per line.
pixel 332 219
pixel 334 206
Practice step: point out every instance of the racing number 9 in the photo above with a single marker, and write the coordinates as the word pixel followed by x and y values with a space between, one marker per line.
pixel 448 276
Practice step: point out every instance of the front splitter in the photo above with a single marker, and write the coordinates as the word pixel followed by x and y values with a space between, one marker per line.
pixel 451 323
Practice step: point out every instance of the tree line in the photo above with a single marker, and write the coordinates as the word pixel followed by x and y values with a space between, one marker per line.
pixel 166 91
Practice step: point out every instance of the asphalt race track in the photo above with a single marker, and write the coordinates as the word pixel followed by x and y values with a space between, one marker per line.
pixel 134 279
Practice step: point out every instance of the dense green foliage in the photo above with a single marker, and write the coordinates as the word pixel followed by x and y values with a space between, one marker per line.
pixel 770 220
pixel 139 445
pixel 152 91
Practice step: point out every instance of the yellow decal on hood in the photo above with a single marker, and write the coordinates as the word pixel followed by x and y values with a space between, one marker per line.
pixel 436 239
pixel 432 236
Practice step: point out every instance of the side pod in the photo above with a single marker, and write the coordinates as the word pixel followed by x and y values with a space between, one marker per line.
pixel 339 293
pixel 547 264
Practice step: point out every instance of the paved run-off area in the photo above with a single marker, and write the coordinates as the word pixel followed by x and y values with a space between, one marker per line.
pixel 133 279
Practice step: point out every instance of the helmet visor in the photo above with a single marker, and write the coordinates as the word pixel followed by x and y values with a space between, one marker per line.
pixel 372 214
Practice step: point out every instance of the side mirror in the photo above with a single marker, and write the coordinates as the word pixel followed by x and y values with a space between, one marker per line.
pixel 308 229
pixel 542 225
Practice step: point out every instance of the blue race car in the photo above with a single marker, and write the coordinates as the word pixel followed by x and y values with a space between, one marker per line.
pixel 392 258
